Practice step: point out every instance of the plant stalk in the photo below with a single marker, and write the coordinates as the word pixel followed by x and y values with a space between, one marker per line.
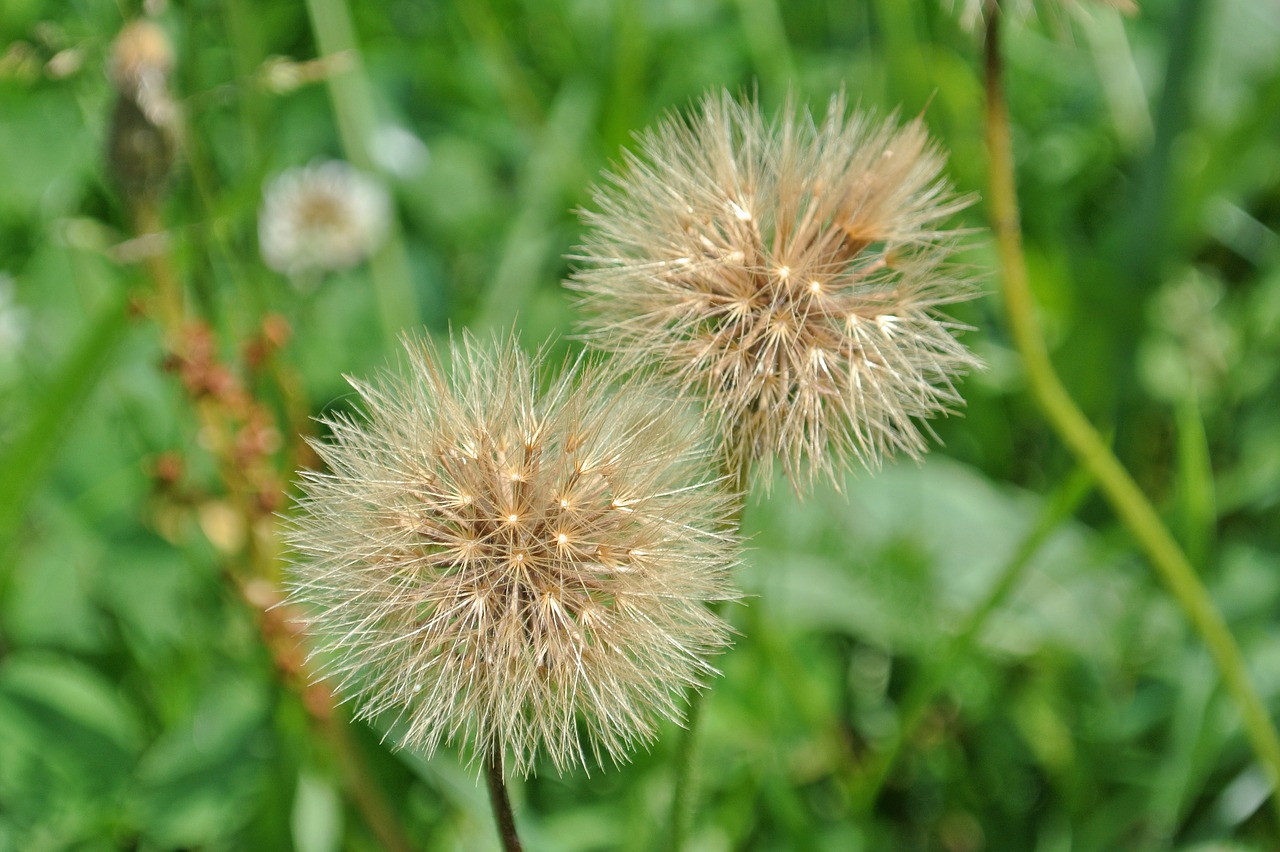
pixel 502 813
pixel 1115 483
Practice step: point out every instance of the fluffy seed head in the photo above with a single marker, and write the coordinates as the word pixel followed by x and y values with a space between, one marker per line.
pixel 498 565
pixel 321 218
pixel 787 271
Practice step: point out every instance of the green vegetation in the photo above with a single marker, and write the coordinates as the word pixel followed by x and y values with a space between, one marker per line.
pixel 968 653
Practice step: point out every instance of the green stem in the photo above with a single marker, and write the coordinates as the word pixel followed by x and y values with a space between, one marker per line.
pixel 1117 486
pixel 529 244
pixel 510 75
pixel 684 788
pixel 918 699
pixel 1195 481
pixel 352 98
pixel 767 42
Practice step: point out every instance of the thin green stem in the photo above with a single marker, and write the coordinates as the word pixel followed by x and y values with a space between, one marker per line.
pixel 1195 481
pixel 502 813
pixel 681 800
pixel 767 42
pixel 925 688
pixel 684 787
pixel 1117 486
pixel 352 98
pixel 511 76
pixel 1149 232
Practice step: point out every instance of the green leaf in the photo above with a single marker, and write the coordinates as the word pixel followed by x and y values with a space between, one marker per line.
pixel 24 463
pixel 199 780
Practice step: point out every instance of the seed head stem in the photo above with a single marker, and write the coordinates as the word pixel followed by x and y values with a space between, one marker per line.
pixel 502 814
pixel 682 802
pixel 352 101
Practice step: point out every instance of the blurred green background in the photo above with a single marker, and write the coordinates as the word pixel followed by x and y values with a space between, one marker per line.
pixel 979 616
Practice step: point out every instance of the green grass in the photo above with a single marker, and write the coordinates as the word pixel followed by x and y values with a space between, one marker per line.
pixel 138 706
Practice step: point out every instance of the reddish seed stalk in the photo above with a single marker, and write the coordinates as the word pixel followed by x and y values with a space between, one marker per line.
pixel 218 419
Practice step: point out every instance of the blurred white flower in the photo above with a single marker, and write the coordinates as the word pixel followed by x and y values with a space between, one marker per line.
pixel 320 218
pixel 13 319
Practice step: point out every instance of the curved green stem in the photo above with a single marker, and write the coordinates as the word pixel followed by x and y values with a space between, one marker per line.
pixel 1114 481
pixel 681 800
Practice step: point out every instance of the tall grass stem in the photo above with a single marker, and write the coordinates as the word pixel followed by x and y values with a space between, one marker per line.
pixel 352 98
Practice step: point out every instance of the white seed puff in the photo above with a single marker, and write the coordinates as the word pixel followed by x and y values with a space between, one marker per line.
pixel 505 567
pixel 788 272
pixel 321 218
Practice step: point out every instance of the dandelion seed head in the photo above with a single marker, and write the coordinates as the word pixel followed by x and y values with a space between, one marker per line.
pixel 810 326
pixel 321 218
pixel 489 611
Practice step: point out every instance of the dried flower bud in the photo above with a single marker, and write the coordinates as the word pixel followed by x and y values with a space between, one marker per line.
pixel 281 75
pixel 20 61
pixel 65 63
pixel 494 564
pixel 141 58
pixel 790 273
pixel 143 142
pixel 167 469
